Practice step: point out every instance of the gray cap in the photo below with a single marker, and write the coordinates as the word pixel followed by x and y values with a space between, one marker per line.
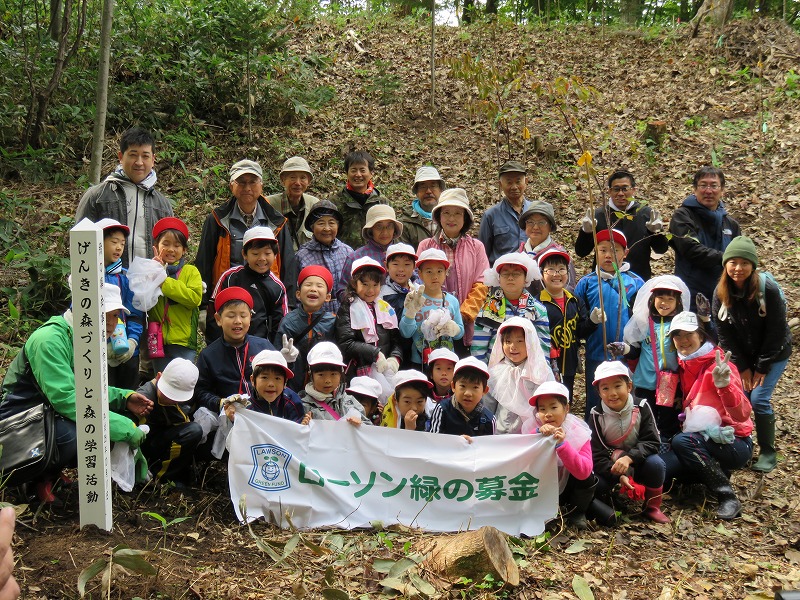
pixel 296 163
pixel 323 208
pixel 513 166
pixel 427 174
pixel 539 207
pixel 246 166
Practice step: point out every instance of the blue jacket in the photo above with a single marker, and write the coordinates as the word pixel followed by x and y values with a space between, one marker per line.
pixel 292 325
pixel 500 231
pixel 134 322
pixel 588 291
pixel 645 375
pixel 446 418
pixel 225 370
pixel 288 406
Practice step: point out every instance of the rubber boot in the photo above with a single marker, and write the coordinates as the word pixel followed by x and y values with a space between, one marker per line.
pixel 44 491
pixel 765 433
pixel 580 499
pixel 602 513
pixel 652 505
pixel 716 481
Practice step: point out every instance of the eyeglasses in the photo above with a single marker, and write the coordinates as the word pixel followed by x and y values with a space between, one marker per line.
pixel 387 227
pixel 428 185
pixel 556 271
pixel 511 274
pixel 708 186
pixel 620 188
pixel 247 183
pixel 532 223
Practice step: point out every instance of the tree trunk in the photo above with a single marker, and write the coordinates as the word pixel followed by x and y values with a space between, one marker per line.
pixel 473 554
pixel 630 11
pixel 468 12
pixel 56 11
pixel 101 96
pixel 491 7
pixel 718 12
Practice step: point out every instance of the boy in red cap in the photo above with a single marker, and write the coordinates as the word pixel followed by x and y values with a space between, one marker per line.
pixel 613 271
pixel 309 322
pixel 176 313
pixel 225 365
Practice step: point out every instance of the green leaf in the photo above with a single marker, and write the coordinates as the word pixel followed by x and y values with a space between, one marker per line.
pixel 401 566
pixel 88 573
pixel 318 550
pixel 422 585
pixel 13 310
pixel 381 565
pixel 581 587
pixel 157 517
pixel 135 563
pixel 335 594
pixel 576 547
pixel 176 521
pixel 395 584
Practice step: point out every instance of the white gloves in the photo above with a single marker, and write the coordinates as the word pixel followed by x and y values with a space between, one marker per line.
pixel 289 352
pixel 655 224
pixel 597 315
pixel 617 349
pixel 380 363
pixel 449 329
pixel 413 302
pixel 588 222
pixel 392 367
pixel 115 360
pixel 201 320
pixel 722 372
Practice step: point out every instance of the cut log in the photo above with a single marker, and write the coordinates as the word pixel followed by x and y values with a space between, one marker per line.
pixel 655 133
pixel 473 554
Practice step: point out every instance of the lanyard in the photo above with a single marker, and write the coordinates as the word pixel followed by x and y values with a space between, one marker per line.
pixel 242 366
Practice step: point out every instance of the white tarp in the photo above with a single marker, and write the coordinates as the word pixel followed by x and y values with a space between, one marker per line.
pixel 333 474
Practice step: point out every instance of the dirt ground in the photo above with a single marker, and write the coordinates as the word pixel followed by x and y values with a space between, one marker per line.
pixel 724 99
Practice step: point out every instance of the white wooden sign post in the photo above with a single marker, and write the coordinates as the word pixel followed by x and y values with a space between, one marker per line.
pixel 91 375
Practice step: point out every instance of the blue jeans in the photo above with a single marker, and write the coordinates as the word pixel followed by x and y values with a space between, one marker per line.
pixel 67 443
pixel 761 396
pixel 173 351
pixel 650 474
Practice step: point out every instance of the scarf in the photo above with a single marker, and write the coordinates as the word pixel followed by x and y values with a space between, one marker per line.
pixel 147 184
pixel 535 251
pixel 360 197
pixel 614 424
pixel 417 207
pixel 452 242
pixel 114 268
pixel 701 351
pixel 362 318
pixel 174 269
pixel 711 231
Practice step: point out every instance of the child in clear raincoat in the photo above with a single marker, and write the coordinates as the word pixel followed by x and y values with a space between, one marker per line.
pixel 517 366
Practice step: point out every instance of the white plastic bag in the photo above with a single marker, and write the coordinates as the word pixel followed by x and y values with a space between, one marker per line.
pixel 207 420
pixel 123 464
pixel 701 418
pixel 145 278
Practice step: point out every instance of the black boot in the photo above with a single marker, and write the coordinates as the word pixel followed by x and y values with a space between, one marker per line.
pixel 602 513
pixel 579 501
pixel 716 481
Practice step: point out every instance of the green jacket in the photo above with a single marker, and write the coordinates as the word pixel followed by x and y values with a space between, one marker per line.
pixel 184 295
pixel 354 215
pixel 44 368
pixel 415 227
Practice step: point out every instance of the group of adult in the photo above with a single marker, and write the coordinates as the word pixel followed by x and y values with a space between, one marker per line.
pixel 701 231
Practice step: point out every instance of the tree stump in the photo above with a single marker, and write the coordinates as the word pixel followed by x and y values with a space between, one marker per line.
pixel 473 554
pixel 655 132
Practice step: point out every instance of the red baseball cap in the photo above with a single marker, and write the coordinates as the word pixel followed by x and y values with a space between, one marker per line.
pixel 170 223
pixel 619 238
pixel 316 271
pixel 232 293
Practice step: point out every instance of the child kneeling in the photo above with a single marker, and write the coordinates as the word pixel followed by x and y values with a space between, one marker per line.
pixel 625 440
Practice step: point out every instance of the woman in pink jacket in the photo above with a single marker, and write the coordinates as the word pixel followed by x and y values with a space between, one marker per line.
pixel 453 218
pixel 716 432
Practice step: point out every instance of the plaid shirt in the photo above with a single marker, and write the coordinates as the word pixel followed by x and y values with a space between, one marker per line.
pixel 331 257
pixel 370 249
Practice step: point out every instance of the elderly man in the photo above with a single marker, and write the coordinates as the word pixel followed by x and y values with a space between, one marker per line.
pixel 701 229
pixel 44 372
pixel 641 224
pixel 500 232
pixel 416 219
pixel 223 231
pixel 129 195
pixel 293 203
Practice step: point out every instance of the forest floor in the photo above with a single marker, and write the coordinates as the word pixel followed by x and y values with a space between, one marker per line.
pixel 726 97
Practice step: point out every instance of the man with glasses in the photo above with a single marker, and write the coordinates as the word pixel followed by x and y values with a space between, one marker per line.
pixel 641 224
pixel 417 219
pixel 223 231
pixel 701 229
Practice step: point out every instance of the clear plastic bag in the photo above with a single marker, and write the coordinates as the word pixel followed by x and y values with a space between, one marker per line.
pixel 145 278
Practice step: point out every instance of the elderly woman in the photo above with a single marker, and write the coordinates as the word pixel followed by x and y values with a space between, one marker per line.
pixel 223 231
pixel 417 219
pixel 293 203
pixel 750 314
pixel 538 222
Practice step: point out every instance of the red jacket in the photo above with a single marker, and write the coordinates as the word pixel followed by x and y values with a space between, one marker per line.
pixel 731 402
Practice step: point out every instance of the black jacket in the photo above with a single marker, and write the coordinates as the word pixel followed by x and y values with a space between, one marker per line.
pixel 353 346
pixel 640 240
pixel 755 342
pixel 567 329
pixel 648 442
pixel 446 418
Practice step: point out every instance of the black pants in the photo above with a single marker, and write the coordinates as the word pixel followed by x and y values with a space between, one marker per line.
pixel 169 450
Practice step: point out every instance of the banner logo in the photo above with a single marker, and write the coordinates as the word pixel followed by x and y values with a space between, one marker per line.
pixel 270 472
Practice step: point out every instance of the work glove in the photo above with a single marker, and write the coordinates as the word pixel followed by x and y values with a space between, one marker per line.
pixel 617 349
pixel 597 315
pixel 289 352
pixel 720 435
pixel 722 372
pixel 703 307
pixel 449 329
pixel 655 224
pixel 588 222
pixel 413 302
pixel 380 363
pixel 137 437
pixel 392 367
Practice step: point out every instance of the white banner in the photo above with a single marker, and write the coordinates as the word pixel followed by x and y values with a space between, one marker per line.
pixel 333 474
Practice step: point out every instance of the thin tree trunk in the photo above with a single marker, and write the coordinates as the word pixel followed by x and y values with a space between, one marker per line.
pixel 433 56
pixel 101 97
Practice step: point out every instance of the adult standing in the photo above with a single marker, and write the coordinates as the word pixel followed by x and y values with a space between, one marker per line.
pixel 701 229
pixel 293 203
pixel 358 195
pixel 223 231
pixel 750 314
pixel 417 219
pixel 642 225
pixel 129 194
pixel 499 231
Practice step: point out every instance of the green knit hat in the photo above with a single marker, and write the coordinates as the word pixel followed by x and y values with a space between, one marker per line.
pixel 741 247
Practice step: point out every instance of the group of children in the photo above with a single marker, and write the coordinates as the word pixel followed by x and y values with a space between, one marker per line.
pixel 378 335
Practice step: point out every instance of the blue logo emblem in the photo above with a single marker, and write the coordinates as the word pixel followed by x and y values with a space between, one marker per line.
pixel 35 452
pixel 270 468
